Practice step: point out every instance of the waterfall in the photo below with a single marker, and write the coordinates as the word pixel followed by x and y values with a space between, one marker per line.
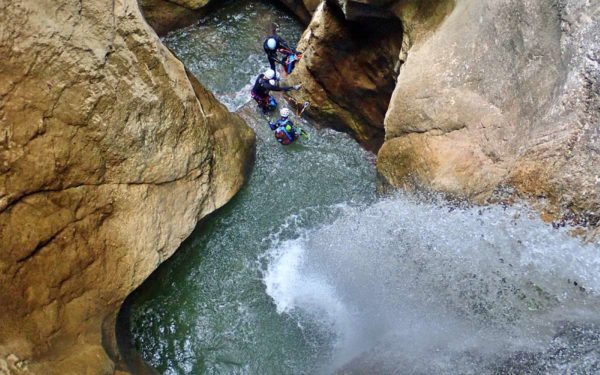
pixel 416 287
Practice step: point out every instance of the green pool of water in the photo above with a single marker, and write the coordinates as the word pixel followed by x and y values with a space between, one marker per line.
pixel 207 311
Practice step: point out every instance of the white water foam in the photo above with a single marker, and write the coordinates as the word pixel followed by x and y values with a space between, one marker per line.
pixel 292 288
pixel 426 288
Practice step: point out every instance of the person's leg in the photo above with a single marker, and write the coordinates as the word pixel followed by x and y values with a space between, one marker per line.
pixel 272 103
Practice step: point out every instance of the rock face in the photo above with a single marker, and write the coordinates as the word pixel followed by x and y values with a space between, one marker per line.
pixel 347 72
pixel 109 155
pixel 501 93
pixel 491 96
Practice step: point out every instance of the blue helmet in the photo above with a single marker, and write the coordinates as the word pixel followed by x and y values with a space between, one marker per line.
pixel 271 43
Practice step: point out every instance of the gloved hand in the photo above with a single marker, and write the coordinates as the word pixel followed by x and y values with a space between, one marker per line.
pixel 297 87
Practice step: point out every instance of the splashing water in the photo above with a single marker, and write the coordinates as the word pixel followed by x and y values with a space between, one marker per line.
pixel 423 288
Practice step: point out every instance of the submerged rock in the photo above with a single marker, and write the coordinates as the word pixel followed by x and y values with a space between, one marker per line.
pixel 165 16
pixel 302 9
pixel 109 155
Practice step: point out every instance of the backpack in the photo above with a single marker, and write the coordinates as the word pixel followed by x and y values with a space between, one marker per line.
pixel 283 136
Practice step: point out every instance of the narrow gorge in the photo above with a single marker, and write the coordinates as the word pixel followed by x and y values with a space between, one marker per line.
pixel 443 217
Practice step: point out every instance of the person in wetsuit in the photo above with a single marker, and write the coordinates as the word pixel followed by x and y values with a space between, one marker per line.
pixel 264 84
pixel 284 130
pixel 274 44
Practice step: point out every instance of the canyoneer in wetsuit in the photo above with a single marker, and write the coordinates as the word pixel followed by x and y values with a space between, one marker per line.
pixel 275 44
pixel 284 130
pixel 265 83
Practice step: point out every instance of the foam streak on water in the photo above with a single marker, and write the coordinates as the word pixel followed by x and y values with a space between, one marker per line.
pixel 424 288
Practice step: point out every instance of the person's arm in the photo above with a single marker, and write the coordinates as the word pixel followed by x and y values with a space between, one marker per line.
pixel 283 44
pixel 271 87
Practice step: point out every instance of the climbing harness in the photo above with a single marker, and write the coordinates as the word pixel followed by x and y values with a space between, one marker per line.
pixel 267 103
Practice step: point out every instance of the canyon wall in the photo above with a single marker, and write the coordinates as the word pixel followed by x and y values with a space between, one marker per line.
pixel 109 155
pixel 502 95
pixel 348 72
pixel 491 98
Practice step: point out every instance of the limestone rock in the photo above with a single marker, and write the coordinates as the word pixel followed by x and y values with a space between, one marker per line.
pixel 488 94
pixel 109 155
pixel 164 15
pixel 499 93
pixel 347 72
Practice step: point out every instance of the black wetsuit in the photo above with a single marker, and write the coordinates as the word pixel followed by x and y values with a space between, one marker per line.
pixel 262 87
pixel 281 46
pixel 260 93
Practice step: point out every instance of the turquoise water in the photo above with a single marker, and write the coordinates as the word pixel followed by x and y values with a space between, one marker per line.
pixel 307 270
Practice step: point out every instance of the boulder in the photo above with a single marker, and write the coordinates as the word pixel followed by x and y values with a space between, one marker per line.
pixel 499 94
pixel 489 97
pixel 110 153
pixel 192 4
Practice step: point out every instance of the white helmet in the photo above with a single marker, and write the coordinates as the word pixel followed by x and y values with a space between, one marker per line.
pixel 285 112
pixel 269 74
pixel 271 43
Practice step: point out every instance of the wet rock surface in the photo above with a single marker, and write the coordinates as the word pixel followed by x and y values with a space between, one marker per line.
pixel 164 16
